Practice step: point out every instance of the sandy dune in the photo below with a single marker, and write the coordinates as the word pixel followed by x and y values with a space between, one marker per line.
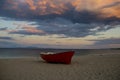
pixel 87 67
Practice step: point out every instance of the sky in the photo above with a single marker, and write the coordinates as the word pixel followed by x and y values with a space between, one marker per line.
pixel 76 24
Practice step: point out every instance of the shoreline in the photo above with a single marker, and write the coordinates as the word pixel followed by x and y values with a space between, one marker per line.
pixel 85 67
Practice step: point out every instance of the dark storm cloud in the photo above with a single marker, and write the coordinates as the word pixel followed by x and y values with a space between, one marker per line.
pixel 88 17
pixel 72 15
pixel 70 29
pixel 106 41
pixel 2 29
pixel 2 2
pixel 64 28
pixel 6 38
pixel 61 26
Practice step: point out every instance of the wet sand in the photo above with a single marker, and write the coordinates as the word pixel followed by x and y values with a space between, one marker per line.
pixel 85 67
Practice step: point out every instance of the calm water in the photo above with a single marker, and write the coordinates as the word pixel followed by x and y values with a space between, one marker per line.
pixel 18 53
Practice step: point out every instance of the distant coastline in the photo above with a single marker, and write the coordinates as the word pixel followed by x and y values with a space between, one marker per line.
pixel 58 48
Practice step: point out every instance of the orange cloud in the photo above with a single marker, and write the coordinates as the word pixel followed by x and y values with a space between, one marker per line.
pixel 92 4
pixel 77 4
pixel 31 4
pixel 111 11
pixel 32 29
pixel 27 28
pixel 44 7
pixel 98 6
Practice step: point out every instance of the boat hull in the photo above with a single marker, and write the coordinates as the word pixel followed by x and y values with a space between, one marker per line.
pixel 63 57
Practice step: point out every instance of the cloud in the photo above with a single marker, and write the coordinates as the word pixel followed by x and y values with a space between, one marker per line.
pixel 24 32
pixel 7 44
pixel 71 18
pixel 108 41
pixel 6 38
pixel 104 43
pixel 62 28
pixel 78 11
pixel 111 5
pixel 3 29
pixel 26 29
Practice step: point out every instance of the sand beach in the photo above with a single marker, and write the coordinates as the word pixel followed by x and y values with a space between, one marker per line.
pixel 85 67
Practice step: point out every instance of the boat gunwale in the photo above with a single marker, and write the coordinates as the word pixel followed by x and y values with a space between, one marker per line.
pixel 58 53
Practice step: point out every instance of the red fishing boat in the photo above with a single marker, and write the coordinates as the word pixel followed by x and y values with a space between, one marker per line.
pixel 63 57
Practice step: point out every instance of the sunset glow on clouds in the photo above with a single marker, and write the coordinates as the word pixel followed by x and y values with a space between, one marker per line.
pixel 60 23
pixel 44 7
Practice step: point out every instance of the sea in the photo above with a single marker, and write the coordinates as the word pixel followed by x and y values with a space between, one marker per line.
pixel 35 52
